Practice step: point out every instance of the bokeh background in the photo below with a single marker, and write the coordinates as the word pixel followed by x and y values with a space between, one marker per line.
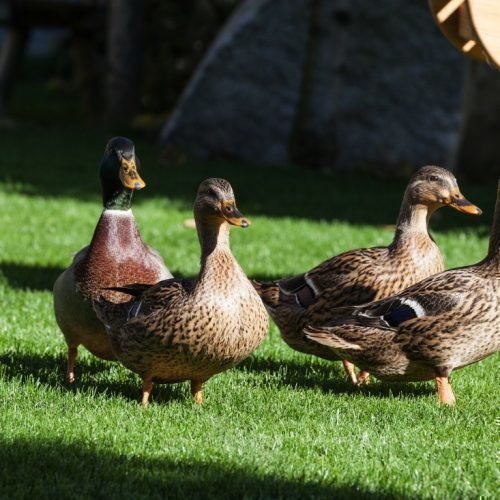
pixel 336 85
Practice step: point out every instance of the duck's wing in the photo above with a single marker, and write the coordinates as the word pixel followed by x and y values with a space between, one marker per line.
pixel 145 299
pixel 161 295
pixel 353 271
pixel 437 295
pixel 349 277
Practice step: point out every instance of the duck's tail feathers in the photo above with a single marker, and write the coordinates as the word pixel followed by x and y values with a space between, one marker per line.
pixel 325 335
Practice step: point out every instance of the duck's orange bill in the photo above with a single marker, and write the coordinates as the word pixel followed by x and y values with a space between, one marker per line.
pixel 233 215
pixel 461 204
pixel 129 175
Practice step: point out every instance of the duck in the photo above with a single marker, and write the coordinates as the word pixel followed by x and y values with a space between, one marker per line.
pixel 190 330
pixel 367 274
pixel 443 323
pixel 115 256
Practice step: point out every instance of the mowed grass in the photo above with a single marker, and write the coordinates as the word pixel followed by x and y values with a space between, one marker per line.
pixel 282 424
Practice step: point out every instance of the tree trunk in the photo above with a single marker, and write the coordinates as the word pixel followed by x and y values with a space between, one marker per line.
pixel 478 151
pixel 85 56
pixel 10 55
pixel 125 20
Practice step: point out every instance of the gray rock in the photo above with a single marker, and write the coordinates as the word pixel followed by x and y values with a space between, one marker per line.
pixel 242 100
pixel 385 88
pixel 344 84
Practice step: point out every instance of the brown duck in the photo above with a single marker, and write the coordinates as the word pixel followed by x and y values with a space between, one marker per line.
pixel 183 330
pixel 116 256
pixel 443 323
pixel 367 274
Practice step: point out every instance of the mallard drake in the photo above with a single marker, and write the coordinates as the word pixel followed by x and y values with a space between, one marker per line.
pixel 183 330
pixel 116 256
pixel 443 323
pixel 367 274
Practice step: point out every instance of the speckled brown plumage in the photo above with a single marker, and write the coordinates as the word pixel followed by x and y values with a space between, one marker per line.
pixel 115 257
pixel 190 330
pixel 445 322
pixel 367 274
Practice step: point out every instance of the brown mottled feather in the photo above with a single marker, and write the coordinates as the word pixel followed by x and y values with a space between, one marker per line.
pixel 190 330
pixel 363 275
pixel 458 323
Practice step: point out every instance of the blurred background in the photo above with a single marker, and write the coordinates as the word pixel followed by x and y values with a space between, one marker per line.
pixel 331 86
pixel 342 85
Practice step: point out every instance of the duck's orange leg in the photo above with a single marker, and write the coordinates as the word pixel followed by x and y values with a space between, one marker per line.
pixel 147 387
pixel 363 378
pixel 72 352
pixel 196 391
pixel 445 392
pixel 349 369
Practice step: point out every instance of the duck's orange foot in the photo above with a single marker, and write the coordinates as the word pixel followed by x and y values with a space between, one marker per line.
pixel 364 378
pixel 445 393
pixel 196 392
pixel 147 387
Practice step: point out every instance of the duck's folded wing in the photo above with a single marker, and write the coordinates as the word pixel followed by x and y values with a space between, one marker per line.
pixel 355 271
pixel 397 319
pixel 146 299
pixel 162 294
pixel 332 337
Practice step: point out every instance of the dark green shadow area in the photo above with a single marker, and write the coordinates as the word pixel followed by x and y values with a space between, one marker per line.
pixel 62 161
pixel 30 276
pixel 75 470
pixel 329 378
pixel 92 376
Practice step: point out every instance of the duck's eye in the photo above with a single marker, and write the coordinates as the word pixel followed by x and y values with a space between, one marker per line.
pixel 433 178
pixel 211 192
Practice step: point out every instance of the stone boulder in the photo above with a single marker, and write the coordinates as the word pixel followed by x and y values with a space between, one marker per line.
pixel 242 100
pixel 385 88
pixel 342 84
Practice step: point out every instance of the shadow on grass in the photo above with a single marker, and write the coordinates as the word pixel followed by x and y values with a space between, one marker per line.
pixel 278 191
pixel 50 371
pixel 52 469
pixel 30 276
pixel 94 376
pixel 329 378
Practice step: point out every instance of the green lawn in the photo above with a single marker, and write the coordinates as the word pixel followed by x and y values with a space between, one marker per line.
pixel 280 425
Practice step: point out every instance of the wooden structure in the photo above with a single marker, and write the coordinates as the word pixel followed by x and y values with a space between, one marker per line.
pixel 472 26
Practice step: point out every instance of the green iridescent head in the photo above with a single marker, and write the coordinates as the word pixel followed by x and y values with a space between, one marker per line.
pixel 119 173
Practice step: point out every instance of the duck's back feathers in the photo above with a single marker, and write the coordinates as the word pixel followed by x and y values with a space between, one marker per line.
pixel 354 270
pixel 444 322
